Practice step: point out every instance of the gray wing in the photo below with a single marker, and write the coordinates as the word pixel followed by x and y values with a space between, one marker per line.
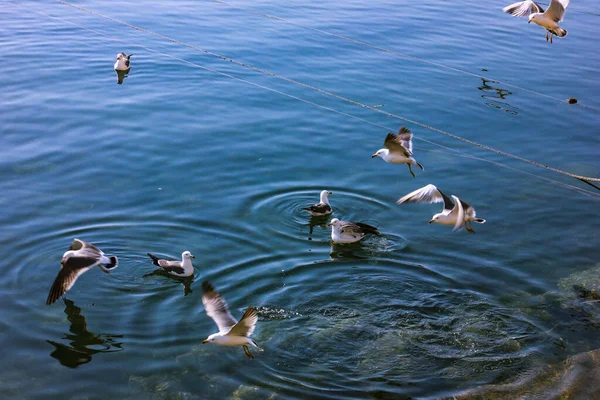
pixel 216 308
pixel 523 8
pixel 85 249
pixel 350 228
pixel 405 136
pixel 169 264
pixel 394 143
pixel 321 208
pixel 427 194
pixel 469 211
pixel 68 274
pixel 460 214
pixel 556 10
pixel 246 325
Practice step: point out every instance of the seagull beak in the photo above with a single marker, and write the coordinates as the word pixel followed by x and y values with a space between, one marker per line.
pixel 431 222
pixel 329 192
pixel 374 155
pixel 205 341
pixel 63 261
pixel 529 21
pixel 329 224
pixel 192 256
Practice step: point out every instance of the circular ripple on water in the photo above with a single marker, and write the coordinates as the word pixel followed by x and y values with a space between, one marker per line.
pixel 281 212
pixel 381 321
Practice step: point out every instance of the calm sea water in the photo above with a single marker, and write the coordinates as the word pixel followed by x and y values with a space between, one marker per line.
pixel 180 158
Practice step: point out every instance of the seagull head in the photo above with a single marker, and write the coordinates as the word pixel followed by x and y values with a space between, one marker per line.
pixel 119 56
pixel 334 222
pixel 214 338
pixel 435 218
pixel 186 255
pixel 533 17
pixel 381 153
pixel 324 194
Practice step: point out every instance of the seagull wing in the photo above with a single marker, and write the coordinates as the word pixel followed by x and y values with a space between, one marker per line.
pixel 320 208
pixel 68 274
pixel 469 211
pixel 460 217
pixel 523 8
pixel 246 325
pixel 405 136
pixel 394 143
pixel 556 10
pixel 85 249
pixel 216 308
pixel 427 194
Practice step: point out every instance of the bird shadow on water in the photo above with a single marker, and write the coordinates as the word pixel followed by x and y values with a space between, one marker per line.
pixel 320 221
pixel 185 282
pixel 121 75
pixel 80 350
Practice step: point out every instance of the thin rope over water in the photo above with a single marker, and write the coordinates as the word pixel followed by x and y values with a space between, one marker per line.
pixel 471 142
pixel 373 46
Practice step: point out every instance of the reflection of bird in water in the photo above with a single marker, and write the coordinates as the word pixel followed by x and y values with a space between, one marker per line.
pixel 186 282
pixel 317 221
pixel 80 338
pixel 495 94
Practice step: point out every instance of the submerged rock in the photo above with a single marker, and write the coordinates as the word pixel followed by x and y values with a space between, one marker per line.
pixel 576 378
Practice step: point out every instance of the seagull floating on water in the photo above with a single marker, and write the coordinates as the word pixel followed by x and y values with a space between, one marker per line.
pixel 399 149
pixel 80 257
pixel 322 207
pixel 122 66
pixel 459 214
pixel 548 19
pixel 181 268
pixel 343 232
pixel 231 332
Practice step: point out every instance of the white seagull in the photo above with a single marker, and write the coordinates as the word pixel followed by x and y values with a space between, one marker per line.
pixel 231 332
pixel 80 257
pixel 399 149
pixel 459 214
pixel 122 66
pixel 322 207
pixel 181 268
pixel 548 19
pixel 343 232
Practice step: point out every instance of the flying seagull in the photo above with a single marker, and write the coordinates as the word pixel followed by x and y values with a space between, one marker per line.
pixel 343 232
pixel 322 207
pixel 548 19
pixel 399 149
pixel 458 214
pixel 231 332
pixel 80 257
pixel 122 66
pixel 181 268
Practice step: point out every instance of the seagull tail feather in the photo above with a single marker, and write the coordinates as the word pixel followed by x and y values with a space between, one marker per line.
pixel 154 259
pixel 419 165
pixel 479 220
pixel 561 32
pixel 113 263
pixel 253 343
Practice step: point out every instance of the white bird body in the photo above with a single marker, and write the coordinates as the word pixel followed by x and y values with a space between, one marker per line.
pixel 548 19
pixel 231 332
pixel 183 268
pixel 344 232
pixel 458 214
pixel 322 207
pixel 399 149
pixel 122 63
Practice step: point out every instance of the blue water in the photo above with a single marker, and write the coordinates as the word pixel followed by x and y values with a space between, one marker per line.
pixel 182 158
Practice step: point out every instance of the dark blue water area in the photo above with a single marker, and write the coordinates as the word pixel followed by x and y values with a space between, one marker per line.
pixel 195 152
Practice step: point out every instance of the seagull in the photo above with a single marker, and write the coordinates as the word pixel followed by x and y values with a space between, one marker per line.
pixel 322 207
pixel 343 232
pixel 459 214
pixel 231 332
pixel 80 257
pixel 548 19
pixel 122 66
pixel 181 268
pixel 400 149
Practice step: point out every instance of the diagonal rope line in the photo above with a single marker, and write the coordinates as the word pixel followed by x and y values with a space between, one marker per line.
pixel 389 114
pixel 398 53
pixel 455 151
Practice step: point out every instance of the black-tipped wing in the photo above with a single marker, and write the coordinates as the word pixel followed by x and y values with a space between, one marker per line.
pixel 427 194
pixel 177 269
pixel 246 325
pixel 356 229
pixel 367 228
pixel 68 274
pixel 556 10
pixel 523 8
pixel 320 208
pixel 394 143
pixel 216 308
